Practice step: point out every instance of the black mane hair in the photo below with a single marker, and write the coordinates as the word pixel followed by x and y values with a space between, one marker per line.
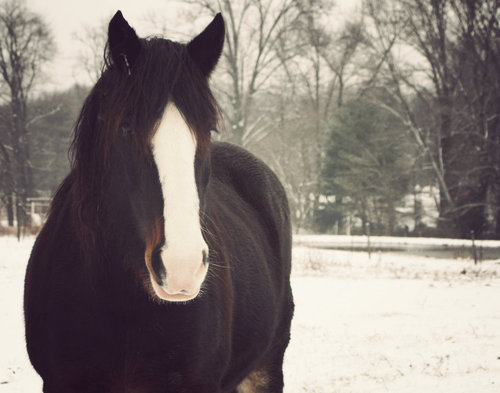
pixel 133 104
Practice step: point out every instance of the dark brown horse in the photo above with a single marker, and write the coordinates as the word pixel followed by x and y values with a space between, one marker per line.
pixel 164 264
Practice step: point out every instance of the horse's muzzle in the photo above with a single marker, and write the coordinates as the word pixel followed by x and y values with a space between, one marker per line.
pixel 177 278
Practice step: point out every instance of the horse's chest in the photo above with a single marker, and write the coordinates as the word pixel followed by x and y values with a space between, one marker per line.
pixel 137 355
pixel 142 380
pixel 163 366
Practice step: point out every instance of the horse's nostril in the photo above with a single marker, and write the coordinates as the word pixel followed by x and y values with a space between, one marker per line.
pixel 176 292
pixel 204 254
pixel 158 268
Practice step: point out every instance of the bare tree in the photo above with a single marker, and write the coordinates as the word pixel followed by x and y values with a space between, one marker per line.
pixel 421 26
pixel 456 46
pixel 25 44
pixel 476 64
pixel 318 72
pixel 253 30
pixel 93 41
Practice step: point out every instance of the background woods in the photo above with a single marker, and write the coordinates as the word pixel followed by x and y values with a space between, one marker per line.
pixel 380 120
pixel 25 44
pixel 446 99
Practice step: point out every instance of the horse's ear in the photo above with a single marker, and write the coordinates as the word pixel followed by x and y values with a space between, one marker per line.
pixel 123 44
pixel 206 48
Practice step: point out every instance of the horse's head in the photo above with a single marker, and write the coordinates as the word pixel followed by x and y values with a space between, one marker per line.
pixel 142 153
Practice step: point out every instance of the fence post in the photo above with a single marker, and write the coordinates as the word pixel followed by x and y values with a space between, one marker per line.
pixel 368 241
pixel 474 253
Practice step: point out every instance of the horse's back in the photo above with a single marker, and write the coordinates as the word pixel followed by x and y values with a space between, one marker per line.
pixel 253 214
pixel 248 183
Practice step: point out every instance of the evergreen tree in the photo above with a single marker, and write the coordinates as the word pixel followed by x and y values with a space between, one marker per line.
pixel 366 170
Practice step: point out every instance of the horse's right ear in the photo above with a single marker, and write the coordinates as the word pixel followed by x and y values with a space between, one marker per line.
pixel 206 48
pixel 123 44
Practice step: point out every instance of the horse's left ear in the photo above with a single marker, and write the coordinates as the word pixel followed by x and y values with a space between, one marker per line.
pixel 123 43
pixel 206 48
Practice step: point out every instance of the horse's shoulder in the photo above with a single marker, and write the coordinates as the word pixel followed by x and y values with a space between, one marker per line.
pixel 224 153
pixel 254 183
pixel 235 165
pixel 57 234
pixel 63 196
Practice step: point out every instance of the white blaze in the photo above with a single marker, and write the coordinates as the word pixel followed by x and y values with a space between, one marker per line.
pixel 174 148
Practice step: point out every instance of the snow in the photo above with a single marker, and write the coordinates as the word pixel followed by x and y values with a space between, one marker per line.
pixel 343 240
pixel 16 373
pixel 389 323
pixel 393 323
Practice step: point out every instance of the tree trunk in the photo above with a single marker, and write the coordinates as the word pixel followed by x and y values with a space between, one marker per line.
pixel 23 184
pixel 448 223
pixel 21 219
pixel 10 211
pixel 491 210
pixel 391 217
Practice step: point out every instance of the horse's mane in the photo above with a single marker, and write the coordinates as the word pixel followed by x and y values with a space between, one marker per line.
pixel 164 71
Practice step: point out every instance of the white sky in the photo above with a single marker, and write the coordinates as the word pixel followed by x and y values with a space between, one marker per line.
pixel 67 17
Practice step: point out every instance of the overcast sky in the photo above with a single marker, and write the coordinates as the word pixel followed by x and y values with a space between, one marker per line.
pixel 69 17
pixel 66 18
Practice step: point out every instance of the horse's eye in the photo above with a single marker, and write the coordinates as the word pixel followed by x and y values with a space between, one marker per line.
pixel 126 129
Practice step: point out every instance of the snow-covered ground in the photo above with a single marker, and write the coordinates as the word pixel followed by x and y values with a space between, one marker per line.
pixel 387 241
pixel 391 323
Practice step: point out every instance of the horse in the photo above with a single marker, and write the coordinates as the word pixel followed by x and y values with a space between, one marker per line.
pixel 164 263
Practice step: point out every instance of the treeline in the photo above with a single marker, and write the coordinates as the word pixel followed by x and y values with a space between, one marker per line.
pixel 361 116
pixel 50 121
pixel 357 114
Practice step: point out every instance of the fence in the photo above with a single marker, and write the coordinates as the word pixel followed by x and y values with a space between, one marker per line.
pixel 39 207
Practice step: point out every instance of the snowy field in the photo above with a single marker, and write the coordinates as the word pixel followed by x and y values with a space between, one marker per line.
pixel 391 323
pixel 390 241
